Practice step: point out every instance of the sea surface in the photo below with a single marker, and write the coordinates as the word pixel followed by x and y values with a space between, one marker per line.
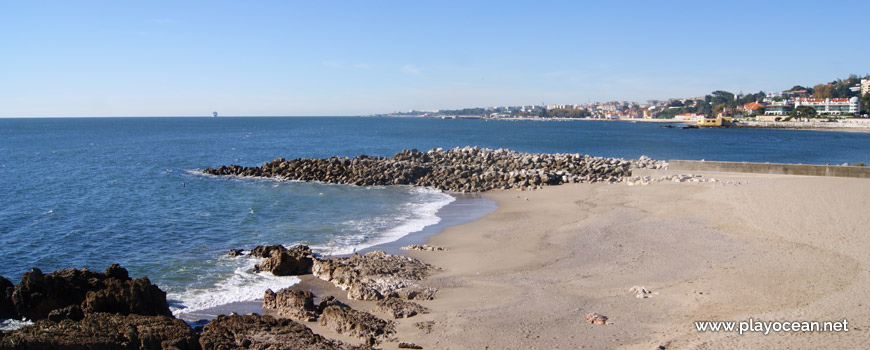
pixel 89 192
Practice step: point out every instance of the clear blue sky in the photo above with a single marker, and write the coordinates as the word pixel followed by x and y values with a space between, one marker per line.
pixel 180 58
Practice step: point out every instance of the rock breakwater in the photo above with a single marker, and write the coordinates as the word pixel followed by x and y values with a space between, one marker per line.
pixel 468 169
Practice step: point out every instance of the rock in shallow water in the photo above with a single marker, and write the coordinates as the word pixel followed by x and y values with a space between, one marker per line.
pixel 468 169
pixel 39 294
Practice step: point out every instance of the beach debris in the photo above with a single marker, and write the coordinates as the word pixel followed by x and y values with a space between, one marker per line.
pixel 262 332
pixel 595 318
pixel 404 345
pixel 640 292
pixel 399 308
pixel 425 326
pixel 345 320
pixel 295 304
pixel 376 275
pixel 424 247
pixel 646 180
pixel 468 169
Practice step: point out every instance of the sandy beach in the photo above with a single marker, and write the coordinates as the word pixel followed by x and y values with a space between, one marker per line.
pixel 771 248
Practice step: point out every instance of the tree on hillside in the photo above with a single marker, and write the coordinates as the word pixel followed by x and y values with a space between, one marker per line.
pixel 822 91
pixel 865 103
pixel 803 112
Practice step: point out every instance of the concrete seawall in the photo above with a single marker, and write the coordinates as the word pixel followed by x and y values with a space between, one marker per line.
pixel 771 168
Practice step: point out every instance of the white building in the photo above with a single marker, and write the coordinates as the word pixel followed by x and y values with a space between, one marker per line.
pixel 865 86
pixel 831 106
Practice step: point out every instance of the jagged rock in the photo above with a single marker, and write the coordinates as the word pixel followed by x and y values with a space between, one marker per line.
pixel 295 304
pixel 363 291
pixel 235 252
pixel 124 297
pixel 400 308
pixel 595 318
pixel 425 326
pixel 265 251
pixel 404 345
pixel 424 247
pixel 104 331
pixel 295 261
pixel 468 169
pixel 263 332
pixel 72 312
pixel 363 325
pixel 38 294
pixel 327 302
pixel 374 275
pixel 7 307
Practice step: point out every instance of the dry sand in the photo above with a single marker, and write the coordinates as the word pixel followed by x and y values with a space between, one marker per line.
pixel 773 248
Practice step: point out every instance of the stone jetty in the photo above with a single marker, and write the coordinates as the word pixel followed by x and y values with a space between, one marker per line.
pixel 468 169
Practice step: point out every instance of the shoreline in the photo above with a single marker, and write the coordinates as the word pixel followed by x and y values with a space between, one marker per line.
pixel 464 209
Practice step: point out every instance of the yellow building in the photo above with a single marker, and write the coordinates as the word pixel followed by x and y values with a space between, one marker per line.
pixel 718 121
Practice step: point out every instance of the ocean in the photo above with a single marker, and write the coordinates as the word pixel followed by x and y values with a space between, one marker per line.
pixel 89 192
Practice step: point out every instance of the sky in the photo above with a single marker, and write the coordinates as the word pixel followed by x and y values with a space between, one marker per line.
pixel 312 58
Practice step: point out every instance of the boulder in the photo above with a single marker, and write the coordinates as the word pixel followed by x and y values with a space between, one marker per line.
pixel 38 294
pixel 363 325
pixel 267 250
pixel 263 332
pixel 399 308
pixel 7 307
pixel 374 275
pixel 124 297
pixel 295 261
pixel 295 304
pixel 104 331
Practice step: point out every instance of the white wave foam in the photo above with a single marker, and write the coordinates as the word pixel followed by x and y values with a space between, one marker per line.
pixel 416 216
pixel 244 285
pixel 11 324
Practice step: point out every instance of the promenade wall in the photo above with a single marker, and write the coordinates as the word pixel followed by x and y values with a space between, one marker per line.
pixel 771 168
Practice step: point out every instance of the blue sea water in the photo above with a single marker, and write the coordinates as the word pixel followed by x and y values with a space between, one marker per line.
pixel 95 191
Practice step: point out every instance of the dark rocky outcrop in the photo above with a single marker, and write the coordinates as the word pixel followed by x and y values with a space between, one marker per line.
pixel 264 332
pixel 286 262
pixel 265 251
pixel 39 294
pixel 363 325
pixel 376 275
pixel 235 252
pixel 295 304
pixel 7 307
pixel 468 169
pixel 404 345
pixel 399 308
pixel 104 331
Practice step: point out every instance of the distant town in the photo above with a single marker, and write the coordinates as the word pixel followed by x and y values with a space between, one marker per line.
pixel 846 102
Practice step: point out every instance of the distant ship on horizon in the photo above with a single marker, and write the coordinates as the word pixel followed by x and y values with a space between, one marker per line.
pixel 214 114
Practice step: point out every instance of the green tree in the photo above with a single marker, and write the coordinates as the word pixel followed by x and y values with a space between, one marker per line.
pixel 803 112
pixel 865 103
